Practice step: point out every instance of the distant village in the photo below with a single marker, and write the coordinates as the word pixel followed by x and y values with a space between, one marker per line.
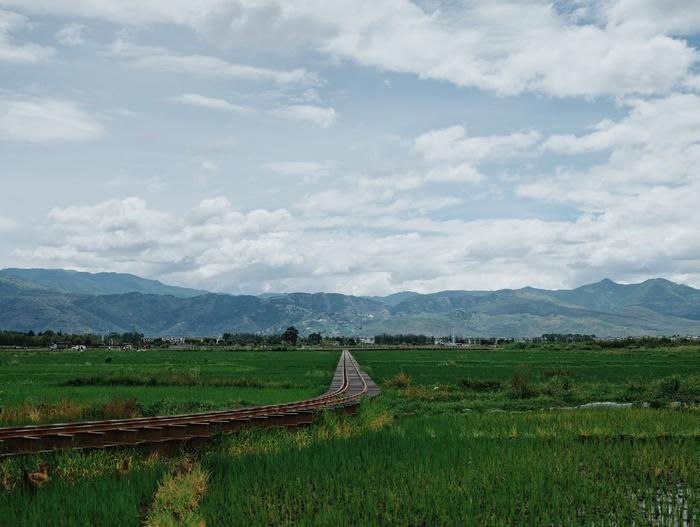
pixel 56 341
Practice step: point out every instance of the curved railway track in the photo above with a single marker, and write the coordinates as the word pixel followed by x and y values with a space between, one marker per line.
pixel 349 385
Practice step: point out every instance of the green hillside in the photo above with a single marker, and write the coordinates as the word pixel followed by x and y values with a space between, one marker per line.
pixel 654 307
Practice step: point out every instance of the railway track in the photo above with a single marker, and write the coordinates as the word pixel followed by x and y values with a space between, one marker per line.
pixel 165 433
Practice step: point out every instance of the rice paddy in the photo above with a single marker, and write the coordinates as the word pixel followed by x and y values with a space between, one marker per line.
pixel 38 387
pixel 550 377
pixel 441 446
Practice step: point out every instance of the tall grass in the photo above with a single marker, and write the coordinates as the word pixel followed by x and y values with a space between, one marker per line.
pixel 83 489
pixel 470 470
pixel 594 467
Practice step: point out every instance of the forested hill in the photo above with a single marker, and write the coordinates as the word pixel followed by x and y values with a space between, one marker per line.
pixel 83 302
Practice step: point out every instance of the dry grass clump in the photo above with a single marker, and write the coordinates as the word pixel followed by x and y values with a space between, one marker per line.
pixel 66 410
pixel 400 380
pixel 328 426
pixel 178 496
pixel 118 408
pixel 28 412
pixel 380 421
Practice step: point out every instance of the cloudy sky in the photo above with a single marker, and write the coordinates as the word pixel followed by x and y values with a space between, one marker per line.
pixel 356 146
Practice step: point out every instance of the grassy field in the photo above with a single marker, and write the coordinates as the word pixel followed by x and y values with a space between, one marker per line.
pixel 536 378
pixel 449 367
pixel 592 467
pixel 448 470
pixel 436 448
pixel 55 386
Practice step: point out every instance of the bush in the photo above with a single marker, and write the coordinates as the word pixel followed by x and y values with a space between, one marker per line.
pixel 670 386
pixel 559 386
pixel 520 385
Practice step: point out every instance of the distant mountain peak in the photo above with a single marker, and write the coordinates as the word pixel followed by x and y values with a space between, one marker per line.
pixel 607 282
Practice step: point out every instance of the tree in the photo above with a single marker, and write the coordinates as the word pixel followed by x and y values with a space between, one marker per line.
pixel 290 335
pixel 314 339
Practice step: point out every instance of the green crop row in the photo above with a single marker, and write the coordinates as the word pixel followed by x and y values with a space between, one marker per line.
pixel 594 467
pixel 516 469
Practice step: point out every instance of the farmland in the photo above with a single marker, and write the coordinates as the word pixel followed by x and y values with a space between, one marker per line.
pixel 435 449
pixel 544 377
pixel 50 386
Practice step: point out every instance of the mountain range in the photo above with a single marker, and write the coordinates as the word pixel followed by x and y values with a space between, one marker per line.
pixel 78 302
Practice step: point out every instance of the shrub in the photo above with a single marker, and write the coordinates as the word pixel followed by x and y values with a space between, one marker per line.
pixel 520 385
pixel 670 386
pixel 559 386
pixel 634 390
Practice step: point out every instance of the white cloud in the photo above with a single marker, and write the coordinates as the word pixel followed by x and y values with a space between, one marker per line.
pixel 511 47
pixel 655 146
pixel 127 234
pixel 632 214
pixel 453 144
pixel 462 173
pixel 318 115
pixel 22 53
pixel 266 25
pixel 410 181
pixel 46 120
pixel 157 58
pixel 71 35
pixel 613 47
pixel 652 16
pixel 667 123
pixel 123 11
pixel 386 241
pixel 194 99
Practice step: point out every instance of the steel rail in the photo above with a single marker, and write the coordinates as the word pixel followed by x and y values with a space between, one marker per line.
pixel 167 431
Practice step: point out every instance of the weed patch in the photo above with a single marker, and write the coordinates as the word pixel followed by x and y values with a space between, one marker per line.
pixel 400 380
pixel 178 496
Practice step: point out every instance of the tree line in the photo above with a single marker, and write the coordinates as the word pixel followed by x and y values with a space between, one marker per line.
pixel 44 339
pixel 292 337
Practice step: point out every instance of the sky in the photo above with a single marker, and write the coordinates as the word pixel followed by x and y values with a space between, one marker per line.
pixel 362 146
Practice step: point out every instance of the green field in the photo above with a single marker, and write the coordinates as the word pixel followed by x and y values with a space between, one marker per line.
pixel 430 381
pixel 449 367
pixel 54 386
pixel 447 443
